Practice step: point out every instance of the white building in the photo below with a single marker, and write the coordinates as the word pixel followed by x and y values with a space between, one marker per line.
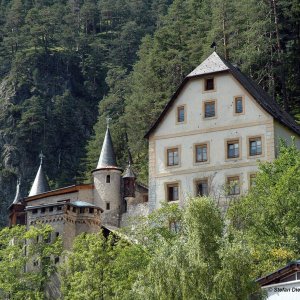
pixel 211 135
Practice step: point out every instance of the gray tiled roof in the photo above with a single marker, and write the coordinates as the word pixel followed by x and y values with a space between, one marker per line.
pixel 212 64
pixel 107 157
pixel 80 203
pixel 40 184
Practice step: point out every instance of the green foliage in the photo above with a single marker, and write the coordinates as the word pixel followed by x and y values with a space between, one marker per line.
pixel 198 262
pixel 172 254
pixel 26 261
pixel 97 268
pixel 268 215
pixel 259 36
pixel 54 58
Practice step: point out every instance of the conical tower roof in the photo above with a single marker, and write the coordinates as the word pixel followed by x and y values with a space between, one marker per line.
pixel 18 196
pixel 129 172
pixel 40 184
pixel 107 157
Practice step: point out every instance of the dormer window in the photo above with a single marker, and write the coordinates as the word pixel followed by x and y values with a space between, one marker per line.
pixel 209 84
pixel 107 178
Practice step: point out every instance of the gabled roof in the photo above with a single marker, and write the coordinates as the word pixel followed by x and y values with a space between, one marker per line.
pixel 216 64
pixel 107 157
pixel 40 184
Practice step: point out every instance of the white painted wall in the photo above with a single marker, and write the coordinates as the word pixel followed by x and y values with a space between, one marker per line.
pixel 283 291
pixel 193 95
pixel 282 132
pixel 226 125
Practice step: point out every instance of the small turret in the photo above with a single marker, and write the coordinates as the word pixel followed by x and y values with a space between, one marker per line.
pixel 40 184
pixel 107 182
pixel 17 214
pixel 129 182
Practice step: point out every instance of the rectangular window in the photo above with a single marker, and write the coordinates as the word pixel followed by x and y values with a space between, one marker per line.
pixel 238 105
pixel 59 208
pixel 209 109
pixel 233 184
pixel 107 205
pixel 91 210
pixel 43 210
pixel 202 187
pixel 201 153
pixel 107 178
pixel 172 157
pixel 209 84
pixel 81 210
pixel 233 149
pixel 255 146
pixel 173 192
pixel 180 114
pixel 51 208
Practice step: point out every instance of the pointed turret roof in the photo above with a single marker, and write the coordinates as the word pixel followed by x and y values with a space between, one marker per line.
pixel 129 172
pixel 216 64
pixel 18 196
pixel 107 157
pixel 40 184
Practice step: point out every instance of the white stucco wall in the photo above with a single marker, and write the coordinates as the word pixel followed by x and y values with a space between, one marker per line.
pixel 282 132
pixel 226 125
pixel 193 96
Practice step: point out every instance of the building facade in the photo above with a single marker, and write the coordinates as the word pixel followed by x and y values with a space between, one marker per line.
pixel 211 135
pixel 109 202
pixel 207 141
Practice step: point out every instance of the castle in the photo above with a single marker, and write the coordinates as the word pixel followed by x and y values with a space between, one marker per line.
pixel 207 141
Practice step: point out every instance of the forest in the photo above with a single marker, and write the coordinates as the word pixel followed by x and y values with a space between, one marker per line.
pixel 193 252
pixel 65 66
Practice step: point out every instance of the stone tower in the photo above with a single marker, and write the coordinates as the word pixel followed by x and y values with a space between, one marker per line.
pixel 107 182
pixel 17 215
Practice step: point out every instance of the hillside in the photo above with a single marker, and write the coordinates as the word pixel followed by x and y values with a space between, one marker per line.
pixel 60 59
pixel 54 58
